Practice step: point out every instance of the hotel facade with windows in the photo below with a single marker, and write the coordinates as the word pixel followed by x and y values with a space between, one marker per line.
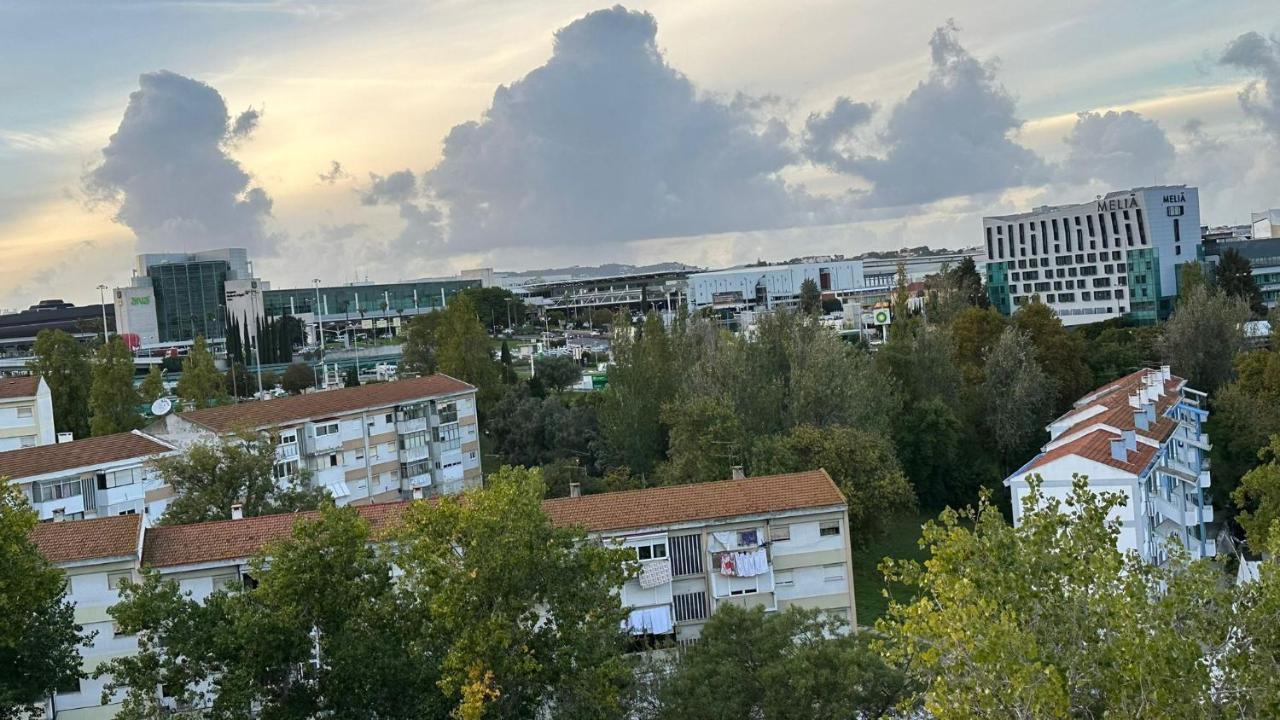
pixel 1116 256
pixel 772 541
pixel 1142 437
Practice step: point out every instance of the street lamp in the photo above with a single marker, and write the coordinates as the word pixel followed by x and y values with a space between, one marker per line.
pixel 320 325
pixel 106 334
pixel 257 356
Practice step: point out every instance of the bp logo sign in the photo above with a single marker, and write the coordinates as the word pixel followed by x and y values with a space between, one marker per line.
pixel 881 316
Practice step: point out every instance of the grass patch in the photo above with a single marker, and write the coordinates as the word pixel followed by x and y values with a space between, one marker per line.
pixel 899 542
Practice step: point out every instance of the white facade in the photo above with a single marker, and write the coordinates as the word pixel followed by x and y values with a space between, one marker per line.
pixel 26 413
pixel 136 313
pixel 1115 256
pixel 772 286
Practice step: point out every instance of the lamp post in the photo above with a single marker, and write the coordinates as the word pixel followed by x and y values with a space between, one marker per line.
pixel 257 356
pixel 106 334
pixel 319 325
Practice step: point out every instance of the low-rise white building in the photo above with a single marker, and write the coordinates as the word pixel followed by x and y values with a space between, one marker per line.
pixel 26 412
pixel 768 287
pixel 775 541
pixel 1142 437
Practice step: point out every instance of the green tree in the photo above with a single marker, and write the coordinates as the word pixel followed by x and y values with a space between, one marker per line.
pixel 418 351
pixel 61 361
pixel 323 633
pixel 601 318
pixel 532 431
pixel 479 565
pixel 641 380
pixel 1045 620
pixel 462 349
pixel 1019 398
pixel 1115 351
pixel 113 400
pixel 39 636
pixel 238 380
pixel 557 371
pixel 862 463
pixel 508 367
pixel 1190 277
pixel 201 383
pixel 1246 413
pixel 208 478
pixel 351 378
pixel 1234 278
pixel 1258 497
pixel 965 281
pixel 1202 337
pixel 901 299
pixel 789 665
pixel 1058 351
pixel 297 377
pixel 491 305
pixel 152 387
pixel 810 298
pixel 974 331
pixel 706 441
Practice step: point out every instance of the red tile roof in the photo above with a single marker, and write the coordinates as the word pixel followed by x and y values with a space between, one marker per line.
pixel 16 387
pixel 325 404
pixel 109 537
pixel 87 453
pixel 235 539
pixel 1095 446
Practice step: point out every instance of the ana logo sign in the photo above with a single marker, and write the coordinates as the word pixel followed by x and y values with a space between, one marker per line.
pixel 141 300
pixel 882 317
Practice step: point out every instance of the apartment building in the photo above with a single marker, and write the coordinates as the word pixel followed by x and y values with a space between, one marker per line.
pixel 91 478
pixel 774 541
pixel 367 444
pixel 26 412
pixel 1113 257
pixel 1142 437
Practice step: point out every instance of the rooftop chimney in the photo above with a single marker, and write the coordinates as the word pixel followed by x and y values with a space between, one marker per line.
pixel 1135 400
pixel 1130 440
pixel 1166 372
pixel 1117 450
pixel 237 511
pixel 59 514
pixel 417 493
pixel 738 473
pixel 575 489
pixel 1140 419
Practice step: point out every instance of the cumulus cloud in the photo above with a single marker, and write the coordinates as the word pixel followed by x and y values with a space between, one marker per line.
pixel 400 186
pixel 1122 149
pixel 245 123
pixel 1260 56
pixel 334 173
pixel 424 222
pixel 167 169
pixel 827 136
pixel 952 135
pixel 608 143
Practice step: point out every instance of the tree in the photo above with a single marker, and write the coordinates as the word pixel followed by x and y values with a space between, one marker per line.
pixel 965 280
pixel 532 431
pixel 706 441
pixel 417 356
pixel 113 401
pixel 1115 351
pixel 557 371
pixel 1190 277
pixel 901 298
pixel 601 318
pixel 492 304
pixel 201 383
pixel 462 347
pixel 208 478
pixel 508 368
pixel 1202 337
pixel 1246 413
pixel 1019 398
pixel 39 636
pixel 1058 351
pixel 789 665
pixel 810 297
pixel 480 564
pixel 323 633
pixel 152 388
pixel 1043 620
pixel 1258 497
pixel 61 361
pixel 239 381
pixel 1234 277
pixel 297 377
pixel 862 463
pixel 642 378
pixel 351 378
pixel 973 332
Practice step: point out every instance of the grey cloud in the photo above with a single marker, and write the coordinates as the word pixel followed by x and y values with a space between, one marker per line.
pixel 827 134
pixel 334 173
pixel 245 123
pixel 1261 57
pixel 167 169
pixel 606 142
pixel 952 135
pixel 1123 149
pixel 424 222
pixel 400 186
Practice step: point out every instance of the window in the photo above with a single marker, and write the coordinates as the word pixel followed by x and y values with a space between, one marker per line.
pixel 1174 211
pixel 130 511
pixel 71 685
pixel 333 460
pixel 414 469
pixel 690 606
pixel 388 419
pixel 652 551
pixel 289 437
pixel 748 538
pixel 225 582
pixel 833 572
pixel 119 478
pixel 56 489
pixel 24 411
pixel 1085 296
pixel 448 412
pixel 1066 297
pixel 784 578
pixel 113 579
pixel 449 436
pixel 327 429
pixel 686 554
pixel 779 533
pixel 359 456
pixel 284 470
pixel 1014 276
pixel 413 412
pixel 829 527
pixel 415 440
pixel 116 630
pixel 1102 295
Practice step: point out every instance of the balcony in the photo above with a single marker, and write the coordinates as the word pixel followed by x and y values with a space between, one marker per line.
pixel 1200 440
pixel 405 427
pixel 286 452
pixel 417 481
pixel 325 443
pixel 750 600
pixel 414 454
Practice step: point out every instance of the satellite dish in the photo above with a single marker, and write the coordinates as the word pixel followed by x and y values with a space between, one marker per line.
pixel 162 406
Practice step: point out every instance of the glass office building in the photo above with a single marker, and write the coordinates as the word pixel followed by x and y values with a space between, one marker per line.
pixel 375 299
pixel 190 299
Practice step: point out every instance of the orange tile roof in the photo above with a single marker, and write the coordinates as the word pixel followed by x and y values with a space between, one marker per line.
pixel 235 539
pixel 73 540
pixel 1095 446
pixel 325 404
pixel 16 387
pixel 87 453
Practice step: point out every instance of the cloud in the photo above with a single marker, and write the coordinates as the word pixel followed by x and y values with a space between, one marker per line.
pixel 952 135
pixel 1261 57
pixel 607 143
pixel 1122 149
pixel 245 123
pixel 400 186
pixel 424 222
pixel 826 135
pixel 167 169
pixel 334 173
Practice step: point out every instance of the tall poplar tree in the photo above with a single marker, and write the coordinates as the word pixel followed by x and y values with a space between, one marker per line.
pixel 113 400
pixel 201 383
pixel 63 364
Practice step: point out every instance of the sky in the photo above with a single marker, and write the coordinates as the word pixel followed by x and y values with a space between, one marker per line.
pixel 397 140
